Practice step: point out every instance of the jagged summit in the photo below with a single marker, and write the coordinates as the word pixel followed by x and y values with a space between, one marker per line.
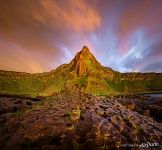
pixel 85 52
pixel 85 49
pixel 84 62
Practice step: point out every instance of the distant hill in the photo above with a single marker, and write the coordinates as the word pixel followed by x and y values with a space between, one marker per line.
pixel 86 73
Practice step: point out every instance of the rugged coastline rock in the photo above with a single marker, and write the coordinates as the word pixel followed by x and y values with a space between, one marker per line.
pixel 71 121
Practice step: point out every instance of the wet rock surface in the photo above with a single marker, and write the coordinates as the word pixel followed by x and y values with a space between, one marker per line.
pixel 148 106
pixel 77 120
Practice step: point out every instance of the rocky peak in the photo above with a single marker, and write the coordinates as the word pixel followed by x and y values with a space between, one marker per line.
pixel 84 61
pixel 85 49
pixel 84 53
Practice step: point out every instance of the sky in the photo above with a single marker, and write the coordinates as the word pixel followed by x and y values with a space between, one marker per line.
pixel 39 35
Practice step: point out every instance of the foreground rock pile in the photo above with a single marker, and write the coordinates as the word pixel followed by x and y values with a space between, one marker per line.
pixel 78 121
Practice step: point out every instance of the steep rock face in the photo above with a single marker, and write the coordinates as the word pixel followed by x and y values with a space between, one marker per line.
pixel 84 62
pixel 81 66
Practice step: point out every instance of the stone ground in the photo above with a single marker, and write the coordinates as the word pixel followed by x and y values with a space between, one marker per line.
pixel 149 106
pixel 75 120
pixel 13 104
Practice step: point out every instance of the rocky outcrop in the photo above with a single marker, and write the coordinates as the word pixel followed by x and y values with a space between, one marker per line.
pixel 84 62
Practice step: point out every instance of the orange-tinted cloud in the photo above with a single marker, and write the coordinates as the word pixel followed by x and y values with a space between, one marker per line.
pixel 39 35
pixel 72 14
pixel 14 57
pixel 41 28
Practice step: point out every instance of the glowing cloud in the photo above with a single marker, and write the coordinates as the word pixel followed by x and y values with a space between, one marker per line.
pixel 40 35
pixel 72 14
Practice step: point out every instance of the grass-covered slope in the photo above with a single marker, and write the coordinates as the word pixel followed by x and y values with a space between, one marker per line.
pixel 42 84
pixel 86 73
pixel 136 82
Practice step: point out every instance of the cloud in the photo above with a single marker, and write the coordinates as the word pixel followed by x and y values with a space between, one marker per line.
pixel 18 59
pixel 156 66
pixel 136 32
pixel 124 35
pixel 41 28
pixel 71 14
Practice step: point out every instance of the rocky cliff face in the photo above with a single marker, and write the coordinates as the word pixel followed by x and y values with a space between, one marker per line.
pixel 80 63
pixel 84 62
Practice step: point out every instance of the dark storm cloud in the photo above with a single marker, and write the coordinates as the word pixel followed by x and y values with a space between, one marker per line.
pixel 39 35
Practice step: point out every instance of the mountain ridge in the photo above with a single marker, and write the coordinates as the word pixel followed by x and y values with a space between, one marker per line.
pixel 86 73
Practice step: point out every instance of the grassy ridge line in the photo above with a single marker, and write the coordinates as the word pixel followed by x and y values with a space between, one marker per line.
pixel 32 85
pixel 46 84
pixel 86 73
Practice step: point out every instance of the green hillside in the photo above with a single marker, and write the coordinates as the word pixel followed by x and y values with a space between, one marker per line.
pixel 86 73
